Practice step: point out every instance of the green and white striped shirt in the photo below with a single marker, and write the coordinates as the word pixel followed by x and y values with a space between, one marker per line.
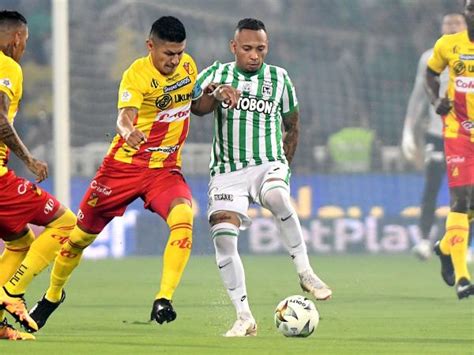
pixel 250 134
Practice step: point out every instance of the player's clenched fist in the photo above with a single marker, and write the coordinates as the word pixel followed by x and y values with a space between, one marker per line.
pixel 135 138
pixel 442 106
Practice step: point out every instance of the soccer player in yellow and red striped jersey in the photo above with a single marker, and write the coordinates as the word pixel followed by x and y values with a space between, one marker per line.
pixel 21 201
pixel 155 98
pixel 456 52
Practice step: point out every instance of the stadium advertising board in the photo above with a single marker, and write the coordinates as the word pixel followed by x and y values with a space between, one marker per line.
pixel 358 213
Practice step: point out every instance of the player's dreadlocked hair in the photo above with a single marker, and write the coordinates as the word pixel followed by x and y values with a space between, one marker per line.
pixel 168 28
pixel 8 18
pixel 250 24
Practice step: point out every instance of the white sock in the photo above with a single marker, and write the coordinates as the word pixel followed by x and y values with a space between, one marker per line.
pixel 230 266
pixel 277 199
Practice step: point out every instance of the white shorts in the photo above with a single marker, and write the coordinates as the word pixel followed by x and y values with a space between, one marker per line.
pixel 235 191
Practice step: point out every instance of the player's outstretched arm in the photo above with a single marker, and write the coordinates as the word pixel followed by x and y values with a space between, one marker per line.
pixel 133 137
pixel 11 139
pixel 213 94
pixel 291 123
pixel 441 105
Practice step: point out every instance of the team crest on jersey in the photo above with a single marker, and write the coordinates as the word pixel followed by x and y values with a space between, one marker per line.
pixel 267 88
pixel 189 69
pixel 93 199
pixel 455 172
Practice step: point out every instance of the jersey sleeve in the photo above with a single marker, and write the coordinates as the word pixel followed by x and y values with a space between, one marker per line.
pixel 130 91
pixel 197 89
pixel 11 77
pixel 438 60
pixel 289 101
pixel 207 75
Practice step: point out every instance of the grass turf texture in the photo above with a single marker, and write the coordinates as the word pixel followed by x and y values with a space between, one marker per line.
pixel 381 305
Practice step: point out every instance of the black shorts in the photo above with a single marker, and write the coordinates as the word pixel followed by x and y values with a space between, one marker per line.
pixel 434 148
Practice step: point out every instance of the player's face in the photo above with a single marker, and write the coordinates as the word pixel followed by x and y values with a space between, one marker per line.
pixel 453 24
pixel 20 36
pixel 469 14
pixel 250 49
pixel 165 55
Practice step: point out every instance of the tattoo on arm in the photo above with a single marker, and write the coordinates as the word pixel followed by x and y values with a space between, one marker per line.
pixel 290 139
pixel 8 133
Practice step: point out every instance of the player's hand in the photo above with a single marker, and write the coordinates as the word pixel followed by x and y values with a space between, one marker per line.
pixel 442 106
pixel 409 147
pixel 135 138
pixel 39 168
pixel 228 94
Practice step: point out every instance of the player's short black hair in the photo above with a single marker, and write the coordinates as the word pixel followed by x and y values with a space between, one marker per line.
pixel 168 28
pixel 12 18
pixel 250 24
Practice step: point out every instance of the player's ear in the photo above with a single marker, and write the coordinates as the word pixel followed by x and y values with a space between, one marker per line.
pixel 16 39
pixel 149 44
pixel 232 46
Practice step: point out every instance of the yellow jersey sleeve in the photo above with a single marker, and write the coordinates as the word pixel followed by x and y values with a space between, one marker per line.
pixel 131 89
pixel 11 78
pixel 438 60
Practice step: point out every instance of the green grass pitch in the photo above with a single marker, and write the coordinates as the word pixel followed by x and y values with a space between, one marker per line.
pixel 381 305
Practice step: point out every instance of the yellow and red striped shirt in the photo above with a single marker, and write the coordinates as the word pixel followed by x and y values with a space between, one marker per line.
pixel 456 51
pixel 11 83
pixel 164 108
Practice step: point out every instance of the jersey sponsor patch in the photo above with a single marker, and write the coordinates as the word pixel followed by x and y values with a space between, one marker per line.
pixel 177 85
pixel 253 104
pixel 464 84
pixel 6 82
pixel 174 114
pixel 164 149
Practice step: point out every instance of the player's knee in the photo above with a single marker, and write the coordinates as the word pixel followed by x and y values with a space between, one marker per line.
pixel 224 217
pixel 459 200
pixel 276 197
pixel 470 215
pixel 65 221
pixel 80 238
pixel 182 213
pixel 22 242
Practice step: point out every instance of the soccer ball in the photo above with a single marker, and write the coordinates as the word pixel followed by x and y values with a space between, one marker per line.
pixel 296 316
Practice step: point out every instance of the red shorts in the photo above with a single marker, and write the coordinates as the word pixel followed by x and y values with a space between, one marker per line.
pixel 118 184
pixel 459 160
pixel 22 202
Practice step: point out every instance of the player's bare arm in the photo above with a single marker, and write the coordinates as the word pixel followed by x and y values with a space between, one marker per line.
pixel 441 105
pixel 11 139
pixel 290 140
pixel 125 128
pixel 213 94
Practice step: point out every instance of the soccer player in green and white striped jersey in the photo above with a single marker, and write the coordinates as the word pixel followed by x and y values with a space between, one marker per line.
pixel 250 163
